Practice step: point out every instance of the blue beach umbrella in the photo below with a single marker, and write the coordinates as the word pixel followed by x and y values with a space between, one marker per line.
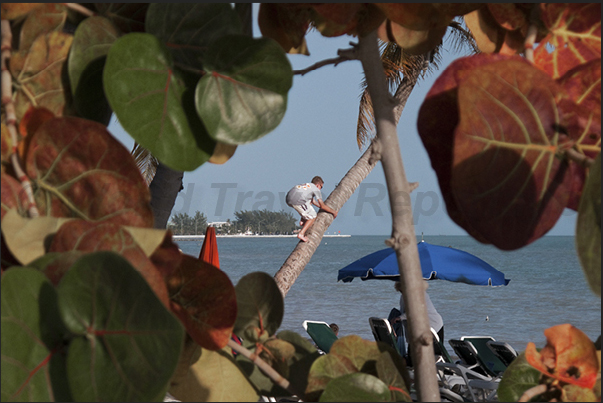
pixel 437 263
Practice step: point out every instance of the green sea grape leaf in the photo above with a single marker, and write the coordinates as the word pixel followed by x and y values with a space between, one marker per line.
pixel 356 349
pixel 42 20
pixel 243 95
pixel 128 17
pixel 204 299
pixel 214 376
pixel 300 364
pixel 91 42
pixel 33 367
pixel 154 102
pixel 84 236
pixel 507 177
pixel 357 387
pixel 389 366
pixel 518 377
pixel 80 170
pixel 324 369
pixel 188 29
pixel 260 303
pixel 126 344
pixel 588 228
pixel 37 74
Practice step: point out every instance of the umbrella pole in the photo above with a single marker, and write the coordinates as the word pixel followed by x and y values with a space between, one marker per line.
pixel 403 239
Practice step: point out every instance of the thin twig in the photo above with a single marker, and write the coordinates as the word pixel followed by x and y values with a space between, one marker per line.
pixel 529 43
pixel 80 9
pixel 576 156
pixel 11 118
pixel 262 365
pixel 344 55
pixel 532 392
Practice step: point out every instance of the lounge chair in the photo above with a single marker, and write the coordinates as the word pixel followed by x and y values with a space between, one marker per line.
pixel 503 351
pixel 321 333
pixel 382 331
pixel 439 349
pixel 476 355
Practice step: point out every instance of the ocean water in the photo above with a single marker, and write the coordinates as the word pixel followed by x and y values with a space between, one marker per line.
pixel 547 287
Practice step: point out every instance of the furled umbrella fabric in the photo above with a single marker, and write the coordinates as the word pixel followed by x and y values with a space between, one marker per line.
pixel 437 263
pixel 209 249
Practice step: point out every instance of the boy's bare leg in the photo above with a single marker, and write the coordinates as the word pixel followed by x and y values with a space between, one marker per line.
pixel 302 234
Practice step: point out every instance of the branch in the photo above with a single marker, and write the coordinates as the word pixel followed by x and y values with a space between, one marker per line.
pixel 344 55
pixel 403 233
pixel 266 369
pixel 11 118
pixel 574 155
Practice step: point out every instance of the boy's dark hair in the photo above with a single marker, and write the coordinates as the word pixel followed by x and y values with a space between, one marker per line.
pixel 334 327
pixel 317 179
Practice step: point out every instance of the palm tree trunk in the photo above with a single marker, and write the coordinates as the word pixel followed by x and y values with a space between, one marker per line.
pixel 164 189
pixel 403 238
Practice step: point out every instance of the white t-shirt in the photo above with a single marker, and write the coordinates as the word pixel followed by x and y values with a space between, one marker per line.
pixel 302 194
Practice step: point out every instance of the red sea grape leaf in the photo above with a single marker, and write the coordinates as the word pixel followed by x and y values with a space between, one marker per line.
pixel 81 171
pixel 438 119
pixel 575 34
pixel 204 299
pixel 508 15
pixel 84 236
pixel 507 179
pixel 167 257
pixel 569 356
pixel 37 72
pixel 285 24
pixel 32 119
pixel 7 146
pixel 335 19
pixel 42 20
pixel 413 42
pixel 424 16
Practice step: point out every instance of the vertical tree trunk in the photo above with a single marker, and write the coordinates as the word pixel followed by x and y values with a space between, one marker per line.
pixel 403 234
pixel 164 188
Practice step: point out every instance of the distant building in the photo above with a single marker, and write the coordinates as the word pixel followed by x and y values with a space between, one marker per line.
pixel 219 224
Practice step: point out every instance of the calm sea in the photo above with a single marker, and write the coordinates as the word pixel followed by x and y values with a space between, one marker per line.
pixel 547 287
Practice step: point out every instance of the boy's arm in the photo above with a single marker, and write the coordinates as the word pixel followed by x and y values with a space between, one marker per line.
pixel 322 205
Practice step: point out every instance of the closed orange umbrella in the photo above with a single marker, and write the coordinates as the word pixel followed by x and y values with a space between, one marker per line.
pixel 209 249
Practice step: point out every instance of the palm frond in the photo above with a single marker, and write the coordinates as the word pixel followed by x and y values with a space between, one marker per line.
pixel 396 63
pixel 145 161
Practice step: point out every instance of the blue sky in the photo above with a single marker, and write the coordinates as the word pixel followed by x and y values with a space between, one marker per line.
pixel 318 137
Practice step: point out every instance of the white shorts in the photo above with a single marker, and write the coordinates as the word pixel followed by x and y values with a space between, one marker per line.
pixel 306 210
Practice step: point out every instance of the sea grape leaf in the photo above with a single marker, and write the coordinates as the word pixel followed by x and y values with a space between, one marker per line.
pixel 128 17
pixel 80 170
pixel 214 376
pixel 12 11
pixel 84 236
pixel 357 387
pixel 300 364
pixel 28 238
pixel 518 377
pixel 573 393
pixel 260 303
pixel 33 367
pixel 285 24
pixel 588 228
pixel 510 16
pixel 126 344
pixel 37 72
pixel 7 146
pixel 42 20
pixel 92 40
pixel 507 179
pixel 437 120
pixel 55 264
pixel 188 29
pixel 31 121
pixel 569 356
pixel 575 34
pixel 358 350
pixel 243 95
pixel 154 102
pixel 204 299
pixel 335 19
pixel 324 369
pixel 167 256
pixel 420 16
pixel 389 366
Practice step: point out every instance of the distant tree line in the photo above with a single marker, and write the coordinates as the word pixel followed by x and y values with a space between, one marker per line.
pixel 256 221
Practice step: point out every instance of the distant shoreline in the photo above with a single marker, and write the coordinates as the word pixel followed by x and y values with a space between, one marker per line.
pixel 195 237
